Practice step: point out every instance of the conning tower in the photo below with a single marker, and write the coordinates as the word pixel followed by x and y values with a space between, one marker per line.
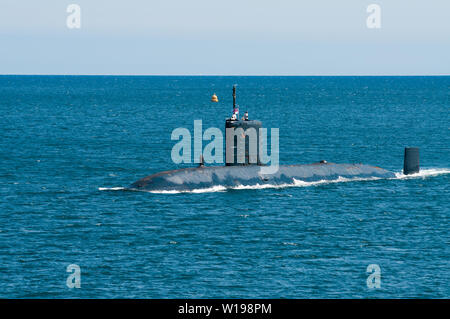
pixel 242 138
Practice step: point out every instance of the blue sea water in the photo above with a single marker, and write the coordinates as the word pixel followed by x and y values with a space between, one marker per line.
pixel 65 138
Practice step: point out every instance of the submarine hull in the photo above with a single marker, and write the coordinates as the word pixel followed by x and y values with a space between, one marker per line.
pixel 187 179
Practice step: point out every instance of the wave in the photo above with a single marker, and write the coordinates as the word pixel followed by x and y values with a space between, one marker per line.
pixel 428 172
pixel 424 173
pixel 214 189
pixel 112 188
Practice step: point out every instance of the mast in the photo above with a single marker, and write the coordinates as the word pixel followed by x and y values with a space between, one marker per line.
pixel 234 97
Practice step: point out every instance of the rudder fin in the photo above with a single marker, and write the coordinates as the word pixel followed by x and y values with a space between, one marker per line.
pixel 411 161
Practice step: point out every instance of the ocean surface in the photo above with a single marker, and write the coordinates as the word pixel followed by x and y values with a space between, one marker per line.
pixel 69 144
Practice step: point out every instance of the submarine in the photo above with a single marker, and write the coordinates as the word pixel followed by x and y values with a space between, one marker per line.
pixel 237 173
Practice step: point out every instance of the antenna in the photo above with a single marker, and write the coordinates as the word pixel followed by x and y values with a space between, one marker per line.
pixel 234 97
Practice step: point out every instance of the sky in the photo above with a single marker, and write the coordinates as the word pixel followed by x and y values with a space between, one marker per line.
pixel 225 37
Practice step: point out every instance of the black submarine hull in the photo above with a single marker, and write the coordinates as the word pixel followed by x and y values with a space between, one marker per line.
pixel 188 179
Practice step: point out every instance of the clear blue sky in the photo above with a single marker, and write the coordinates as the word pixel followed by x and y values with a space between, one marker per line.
pixel 226 37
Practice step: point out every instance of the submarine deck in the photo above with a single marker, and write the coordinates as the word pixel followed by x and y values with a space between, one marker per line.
pixel 185 179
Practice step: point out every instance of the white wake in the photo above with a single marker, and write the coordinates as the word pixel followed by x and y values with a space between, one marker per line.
pixel 424 173
pixel 111 188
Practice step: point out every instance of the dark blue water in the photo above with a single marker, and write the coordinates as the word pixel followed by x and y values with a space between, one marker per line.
pixel 64 137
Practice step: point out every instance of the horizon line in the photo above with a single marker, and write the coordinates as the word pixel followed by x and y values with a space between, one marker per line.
pixel 228 75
